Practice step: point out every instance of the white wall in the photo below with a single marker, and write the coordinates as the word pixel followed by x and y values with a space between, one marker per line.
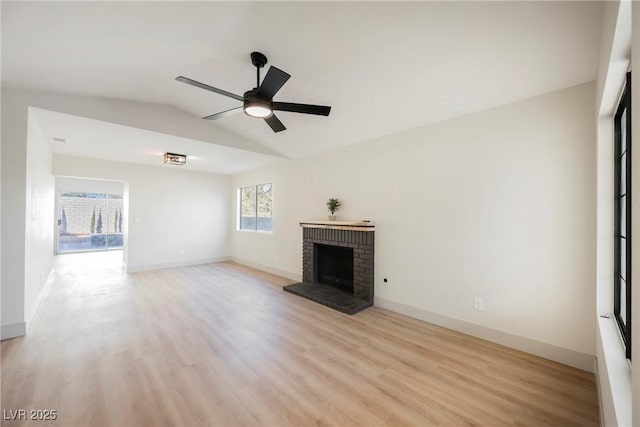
pixel 81 185
pixel 498 204
pixel 175 217
pixel 14 160
pixel 38 219
pixel 27 198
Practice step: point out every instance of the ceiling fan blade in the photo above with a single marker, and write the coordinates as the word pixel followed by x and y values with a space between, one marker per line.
pixel 209 88
pixel 275 124
pixel 319 110
pixel 222 114
pixel 273 81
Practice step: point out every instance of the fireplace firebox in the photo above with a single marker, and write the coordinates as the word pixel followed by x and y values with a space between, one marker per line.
pixel 337 264
pixel 334 266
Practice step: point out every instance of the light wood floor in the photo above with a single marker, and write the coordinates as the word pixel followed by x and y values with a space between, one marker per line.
pixel 222 344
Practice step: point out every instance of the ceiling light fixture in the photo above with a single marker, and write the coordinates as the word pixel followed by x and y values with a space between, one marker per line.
pixel 258 108
pixel 175 159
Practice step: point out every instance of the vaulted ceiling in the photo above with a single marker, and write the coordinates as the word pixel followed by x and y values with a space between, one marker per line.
pixel 384 67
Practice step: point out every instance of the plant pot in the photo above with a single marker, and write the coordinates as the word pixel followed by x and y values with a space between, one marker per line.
pixel 332 217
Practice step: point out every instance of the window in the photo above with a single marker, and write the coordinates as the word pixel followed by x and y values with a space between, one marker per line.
pixel 256 204
pixel 89 222
pixel 622 206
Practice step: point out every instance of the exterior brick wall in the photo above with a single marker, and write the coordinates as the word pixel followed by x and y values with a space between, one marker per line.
pixel 79 210
pixel 362 243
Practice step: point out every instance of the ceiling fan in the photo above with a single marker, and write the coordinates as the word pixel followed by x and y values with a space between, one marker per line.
pixel 258 102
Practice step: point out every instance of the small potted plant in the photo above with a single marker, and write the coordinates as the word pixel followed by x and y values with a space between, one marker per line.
pixel 333 204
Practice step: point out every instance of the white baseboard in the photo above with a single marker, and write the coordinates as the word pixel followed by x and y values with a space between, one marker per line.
pixel 548 351
pixel 139 268
pixel 13 330
pixel 283 273
pixel 41 297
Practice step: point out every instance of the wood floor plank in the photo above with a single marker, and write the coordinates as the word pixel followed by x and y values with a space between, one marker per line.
pixel 223 345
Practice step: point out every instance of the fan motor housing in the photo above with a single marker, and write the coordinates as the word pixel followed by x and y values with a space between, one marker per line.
pixel 252 100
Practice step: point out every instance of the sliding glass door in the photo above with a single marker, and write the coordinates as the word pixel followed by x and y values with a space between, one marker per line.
pixel 89 222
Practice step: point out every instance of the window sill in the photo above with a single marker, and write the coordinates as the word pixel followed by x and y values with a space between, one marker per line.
pixel 617 369
pixel 255 231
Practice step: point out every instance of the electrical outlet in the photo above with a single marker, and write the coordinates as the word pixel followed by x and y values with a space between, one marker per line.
pixel 181 251
pixel 478 304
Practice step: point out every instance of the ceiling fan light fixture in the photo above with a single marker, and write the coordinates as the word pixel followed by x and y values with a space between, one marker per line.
pixel 258 102
pixel 258 109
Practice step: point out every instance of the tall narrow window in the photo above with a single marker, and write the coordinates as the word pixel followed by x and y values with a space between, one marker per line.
pixel 255 207
pixel 622 245
pixel 247 208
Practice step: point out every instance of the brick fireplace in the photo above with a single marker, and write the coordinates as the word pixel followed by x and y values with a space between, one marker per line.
pixel 337 264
